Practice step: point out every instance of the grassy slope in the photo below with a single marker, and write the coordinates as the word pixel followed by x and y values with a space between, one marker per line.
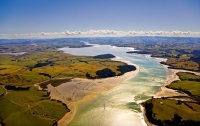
pixel 192 88
pixel 189 83
pixel 187 76
pixel 182 64
pixel 64 65
pixel 169 107
pixel 2 91
pixel 25 107
pixel 165 109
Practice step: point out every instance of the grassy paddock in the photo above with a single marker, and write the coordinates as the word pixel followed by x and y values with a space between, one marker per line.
pixel 189 83
pixel 31 107
pixel 182 64
pixel 40 66
pixel 188 76
pixel 165 109
pixel 2 91
pixel 166 112
pixel 191 88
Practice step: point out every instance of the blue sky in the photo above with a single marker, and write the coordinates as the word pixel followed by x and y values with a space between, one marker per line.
pixel 33 16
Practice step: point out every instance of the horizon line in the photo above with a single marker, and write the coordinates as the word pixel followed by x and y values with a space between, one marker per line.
pixel 100 33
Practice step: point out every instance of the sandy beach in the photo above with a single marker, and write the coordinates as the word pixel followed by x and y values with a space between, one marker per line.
pixel 166 92
pixel 80 90
pixel 171 76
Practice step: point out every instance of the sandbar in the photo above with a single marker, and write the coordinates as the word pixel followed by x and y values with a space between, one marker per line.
pixel 80 90
pixel 166 92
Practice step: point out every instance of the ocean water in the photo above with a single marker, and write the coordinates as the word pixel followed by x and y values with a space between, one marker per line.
pixel 119 106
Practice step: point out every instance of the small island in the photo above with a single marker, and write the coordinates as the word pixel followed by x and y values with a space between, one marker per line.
pixel 104 56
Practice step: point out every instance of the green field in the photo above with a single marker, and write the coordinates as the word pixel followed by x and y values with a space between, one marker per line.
pixel 165 111
pixel 168 108
pixel 192 88
pixel 37 67
pixel 31 107
pixel 182 63
pixel 189 83
pixel 2 91
pixel 24 104
pixel 188 76
pixel 172 112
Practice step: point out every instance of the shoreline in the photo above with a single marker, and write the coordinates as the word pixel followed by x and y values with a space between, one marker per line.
pixel 167 92
pixel 81 90
pixel 146 120
pixel 170 77
pixel 68 116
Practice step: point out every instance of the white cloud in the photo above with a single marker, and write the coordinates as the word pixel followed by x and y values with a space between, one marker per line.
pixel 98 33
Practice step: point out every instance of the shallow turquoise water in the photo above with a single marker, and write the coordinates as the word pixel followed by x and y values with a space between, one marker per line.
pixel 119 106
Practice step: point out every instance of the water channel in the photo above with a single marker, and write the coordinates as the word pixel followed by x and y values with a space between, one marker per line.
pixel 119 106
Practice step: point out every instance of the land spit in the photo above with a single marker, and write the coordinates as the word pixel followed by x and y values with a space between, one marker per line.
pixel 166 92
pixel 81 90
pixel 169 93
